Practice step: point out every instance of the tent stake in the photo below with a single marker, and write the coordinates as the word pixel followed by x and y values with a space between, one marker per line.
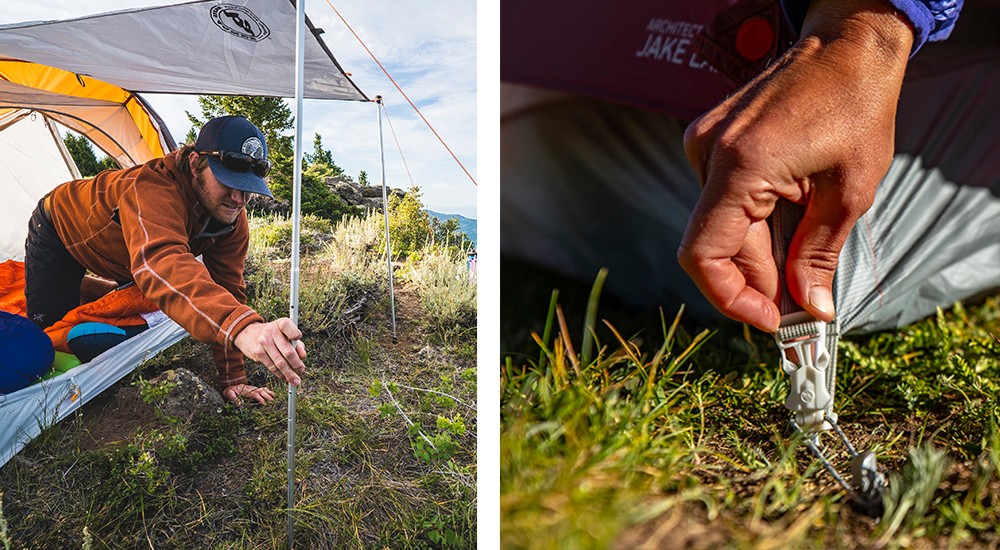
pixel 300 49
pixel 385 214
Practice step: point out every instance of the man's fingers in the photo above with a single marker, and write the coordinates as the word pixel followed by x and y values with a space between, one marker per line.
pixel 756 261
pixel 280 351
pixel 290 345
pixel 262 395
pixel 288 328
pixel 256 396
pixel 726 288
pixel 275 345
pixel 726 251
pixel 239 393
pixel 814 253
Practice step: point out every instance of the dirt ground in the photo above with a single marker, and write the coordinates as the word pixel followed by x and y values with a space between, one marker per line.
pixel 348 440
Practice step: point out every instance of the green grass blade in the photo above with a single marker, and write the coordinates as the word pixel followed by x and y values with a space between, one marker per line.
pixel 590 321
pixel 547 333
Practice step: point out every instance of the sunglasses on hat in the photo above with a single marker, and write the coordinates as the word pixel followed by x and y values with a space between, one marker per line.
pixel 239 162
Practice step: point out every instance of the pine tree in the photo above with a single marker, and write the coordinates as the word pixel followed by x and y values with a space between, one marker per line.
pixel 80 149
pixel 320 163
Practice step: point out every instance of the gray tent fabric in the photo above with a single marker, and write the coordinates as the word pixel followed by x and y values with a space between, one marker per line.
pixel 933 234
pixel 587 184
pixel 241 47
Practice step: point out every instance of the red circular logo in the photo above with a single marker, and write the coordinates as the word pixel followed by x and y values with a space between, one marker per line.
pixel 753 40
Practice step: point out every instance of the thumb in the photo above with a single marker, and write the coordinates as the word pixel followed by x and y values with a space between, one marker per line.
pixel 289 329
pixel 814 253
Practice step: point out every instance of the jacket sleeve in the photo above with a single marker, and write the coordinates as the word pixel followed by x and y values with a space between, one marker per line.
pixel 153 216
pixel 225 263
pixel 932 20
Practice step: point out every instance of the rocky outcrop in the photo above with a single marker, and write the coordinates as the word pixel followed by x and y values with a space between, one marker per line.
pixel 366 197
pixel 267 205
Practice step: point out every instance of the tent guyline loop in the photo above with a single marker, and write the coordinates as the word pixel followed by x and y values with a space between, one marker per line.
pixel 396 139
pixel 406 97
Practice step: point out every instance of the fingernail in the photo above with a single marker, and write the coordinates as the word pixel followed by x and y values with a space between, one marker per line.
pixel 821 299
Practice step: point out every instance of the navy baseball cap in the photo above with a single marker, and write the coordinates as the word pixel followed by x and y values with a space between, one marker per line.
pixel 237 153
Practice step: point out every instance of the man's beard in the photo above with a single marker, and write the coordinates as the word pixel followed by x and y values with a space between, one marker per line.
pixel 205 198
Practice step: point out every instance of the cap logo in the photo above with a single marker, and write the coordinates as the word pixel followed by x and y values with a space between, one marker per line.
pixel 253 147
pixel 239 21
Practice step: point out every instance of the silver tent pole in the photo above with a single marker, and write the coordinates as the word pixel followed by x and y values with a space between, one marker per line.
pixel 385 214
pixel 300 49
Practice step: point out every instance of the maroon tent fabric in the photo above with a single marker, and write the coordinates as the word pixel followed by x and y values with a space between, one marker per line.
pixel 681 58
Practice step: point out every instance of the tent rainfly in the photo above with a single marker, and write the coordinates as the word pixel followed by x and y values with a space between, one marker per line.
pixel 67 72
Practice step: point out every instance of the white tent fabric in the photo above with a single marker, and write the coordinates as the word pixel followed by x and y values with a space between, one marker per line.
pixel 239 47
pixel 25 413
pixel 30 161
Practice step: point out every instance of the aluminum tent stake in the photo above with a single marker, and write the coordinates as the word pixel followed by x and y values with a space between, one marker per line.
pixel 293 313
pixel 385 214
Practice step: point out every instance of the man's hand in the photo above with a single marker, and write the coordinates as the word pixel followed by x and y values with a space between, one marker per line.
pixel 237 392
pixel 272 344
pixel 817 128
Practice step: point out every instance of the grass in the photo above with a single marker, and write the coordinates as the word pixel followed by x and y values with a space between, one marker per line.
pixel 668 435
pixel 121 475
pixel 447 292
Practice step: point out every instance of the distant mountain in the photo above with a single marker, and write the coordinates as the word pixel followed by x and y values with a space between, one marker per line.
pixel 467 225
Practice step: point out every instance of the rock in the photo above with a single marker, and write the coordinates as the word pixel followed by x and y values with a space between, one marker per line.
pixel 372 191
pixel 365 197
pixel 348 192
pixel 268 205
pixel 180 393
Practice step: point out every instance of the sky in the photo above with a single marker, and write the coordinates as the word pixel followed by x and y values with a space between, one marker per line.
pixel 429 48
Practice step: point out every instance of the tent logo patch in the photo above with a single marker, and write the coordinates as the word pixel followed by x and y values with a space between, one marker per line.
pixel 240 21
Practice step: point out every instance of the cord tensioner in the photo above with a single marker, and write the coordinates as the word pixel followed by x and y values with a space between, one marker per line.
pixel 812 379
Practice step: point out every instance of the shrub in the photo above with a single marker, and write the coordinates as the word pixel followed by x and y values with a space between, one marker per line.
pixel 446 290
pixel 272 235
pixel 333 285
pixel 358 245
pixel 409 225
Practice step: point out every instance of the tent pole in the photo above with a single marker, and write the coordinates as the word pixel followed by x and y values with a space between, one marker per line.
pixel 300 48
pixel 385 214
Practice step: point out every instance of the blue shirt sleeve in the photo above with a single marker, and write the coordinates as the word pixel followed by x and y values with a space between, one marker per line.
pixel 932 20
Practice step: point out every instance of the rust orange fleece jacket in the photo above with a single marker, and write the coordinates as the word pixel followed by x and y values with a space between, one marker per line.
pixel 146 224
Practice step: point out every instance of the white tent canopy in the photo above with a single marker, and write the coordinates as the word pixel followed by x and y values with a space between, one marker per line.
pixel 236 47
